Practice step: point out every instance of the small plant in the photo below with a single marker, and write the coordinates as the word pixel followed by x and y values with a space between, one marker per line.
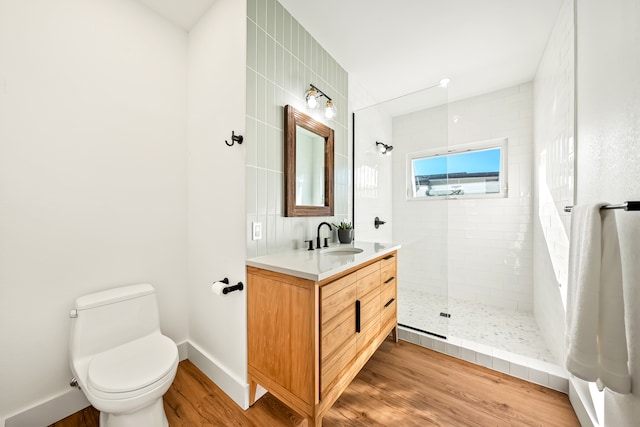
pixel 344 225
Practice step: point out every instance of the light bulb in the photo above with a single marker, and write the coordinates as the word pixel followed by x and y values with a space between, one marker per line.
pixel 311 97
pixel 312 102
pixel 330 111
pixel 381 147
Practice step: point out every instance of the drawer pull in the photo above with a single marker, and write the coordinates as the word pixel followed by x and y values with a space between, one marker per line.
pixel 389 303
pixel 389 279
pixel 358 316
pixel 387 258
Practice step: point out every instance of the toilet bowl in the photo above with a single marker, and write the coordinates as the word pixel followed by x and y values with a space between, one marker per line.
pixel 122 362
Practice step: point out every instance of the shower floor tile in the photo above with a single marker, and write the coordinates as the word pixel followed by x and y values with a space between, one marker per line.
pixel 496 327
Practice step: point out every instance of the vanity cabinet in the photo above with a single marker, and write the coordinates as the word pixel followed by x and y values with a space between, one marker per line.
pixel 308 339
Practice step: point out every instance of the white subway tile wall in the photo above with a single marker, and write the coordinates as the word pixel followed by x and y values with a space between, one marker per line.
pixel 553 154
pixel 473 249
pixel 282 60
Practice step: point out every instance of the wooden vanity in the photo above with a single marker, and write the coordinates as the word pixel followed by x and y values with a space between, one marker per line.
pixel 309 337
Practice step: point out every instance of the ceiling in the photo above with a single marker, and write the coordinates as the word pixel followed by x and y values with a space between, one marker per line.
pixel 394 47
pixel 184 13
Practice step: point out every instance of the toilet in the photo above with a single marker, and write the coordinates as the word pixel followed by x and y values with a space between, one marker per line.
pixel 121 361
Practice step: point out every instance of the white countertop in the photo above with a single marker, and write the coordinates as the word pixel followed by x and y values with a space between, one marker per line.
pixel 318 265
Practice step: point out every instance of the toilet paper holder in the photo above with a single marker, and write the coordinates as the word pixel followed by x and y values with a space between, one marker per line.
pixel 237 287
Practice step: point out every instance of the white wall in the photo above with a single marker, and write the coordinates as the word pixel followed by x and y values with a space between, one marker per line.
pixel 608 152
pixel 282 60
pixel 216 249
pixel 92 176
pixel 474 249
pixel 554 177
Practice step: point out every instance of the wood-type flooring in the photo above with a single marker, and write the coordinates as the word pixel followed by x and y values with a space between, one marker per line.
pixel 402 385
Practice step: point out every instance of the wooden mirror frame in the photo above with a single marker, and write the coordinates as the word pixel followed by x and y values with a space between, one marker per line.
pixel 293 118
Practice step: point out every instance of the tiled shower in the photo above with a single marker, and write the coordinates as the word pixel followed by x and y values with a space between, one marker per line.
pixel 496 266
pixel 466 265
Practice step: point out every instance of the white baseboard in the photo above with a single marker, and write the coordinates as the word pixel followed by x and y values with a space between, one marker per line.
pixel 66 403
pixel 49 411
pixel 233 386
pixel 183 350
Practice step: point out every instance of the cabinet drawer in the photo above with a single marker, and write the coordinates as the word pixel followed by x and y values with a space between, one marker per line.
pixel 387 291
pixel 389 313
pixel 367 284
pixel 388 260
pixel 388 272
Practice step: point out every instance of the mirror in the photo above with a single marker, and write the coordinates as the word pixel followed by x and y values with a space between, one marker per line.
pixel 308 162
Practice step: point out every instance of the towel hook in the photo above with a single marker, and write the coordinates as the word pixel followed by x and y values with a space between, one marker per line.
pixel 234 138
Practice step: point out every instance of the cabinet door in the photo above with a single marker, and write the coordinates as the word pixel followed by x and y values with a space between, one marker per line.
pixel 368 293
pixel 338 329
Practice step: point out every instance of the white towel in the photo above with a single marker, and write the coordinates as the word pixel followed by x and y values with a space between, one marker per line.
pixel 595 335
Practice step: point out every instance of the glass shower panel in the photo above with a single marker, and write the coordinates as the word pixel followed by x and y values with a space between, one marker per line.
pixel 412 124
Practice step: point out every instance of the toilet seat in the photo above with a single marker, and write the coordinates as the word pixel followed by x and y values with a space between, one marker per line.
pixel 132 369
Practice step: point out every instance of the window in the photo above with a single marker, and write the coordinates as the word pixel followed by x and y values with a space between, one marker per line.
pixel 469 171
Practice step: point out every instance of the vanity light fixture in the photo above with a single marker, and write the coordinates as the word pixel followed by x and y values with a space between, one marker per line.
pixel 311 97
pixel 384 148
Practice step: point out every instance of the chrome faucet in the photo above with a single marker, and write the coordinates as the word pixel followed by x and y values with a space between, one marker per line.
pixel 326 244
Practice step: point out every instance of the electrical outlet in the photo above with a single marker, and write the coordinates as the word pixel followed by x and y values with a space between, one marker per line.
pixel 257 230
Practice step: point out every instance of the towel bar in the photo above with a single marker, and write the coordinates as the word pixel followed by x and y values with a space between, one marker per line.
pixel 626 206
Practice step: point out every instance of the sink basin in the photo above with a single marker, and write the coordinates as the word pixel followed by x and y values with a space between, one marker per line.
pixel 342 251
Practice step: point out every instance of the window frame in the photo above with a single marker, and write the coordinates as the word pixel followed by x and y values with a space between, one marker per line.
pixel 500 143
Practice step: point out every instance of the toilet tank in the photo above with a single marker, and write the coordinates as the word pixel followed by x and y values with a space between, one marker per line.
pixel 106 319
